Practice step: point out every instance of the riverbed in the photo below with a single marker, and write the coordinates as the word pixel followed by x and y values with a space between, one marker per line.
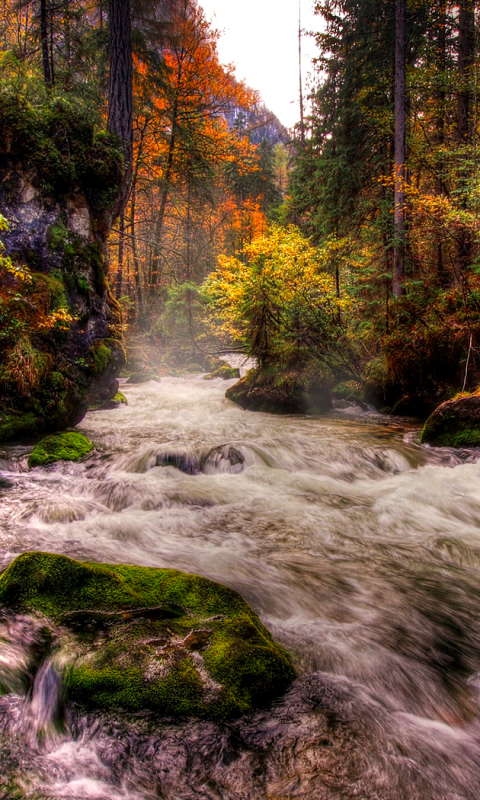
pixel 358 548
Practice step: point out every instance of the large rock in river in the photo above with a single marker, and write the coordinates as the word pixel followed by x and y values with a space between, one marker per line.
pixel 455 423
pixel 290 393
pixel 140 638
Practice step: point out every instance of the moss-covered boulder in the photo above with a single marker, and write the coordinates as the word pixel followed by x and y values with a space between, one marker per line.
pixel 287 392
pixel 150 639
pixel 62 447
pixel 225 372
pixel 143 377
pixel 116 401
pixel 455 423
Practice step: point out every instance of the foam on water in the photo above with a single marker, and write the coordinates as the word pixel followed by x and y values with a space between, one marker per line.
pixel 359 549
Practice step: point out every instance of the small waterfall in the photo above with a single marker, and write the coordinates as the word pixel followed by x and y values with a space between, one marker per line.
pixel 43 708
pixel 359 549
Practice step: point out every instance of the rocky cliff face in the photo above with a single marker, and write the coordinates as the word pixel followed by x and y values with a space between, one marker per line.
pixel 60 327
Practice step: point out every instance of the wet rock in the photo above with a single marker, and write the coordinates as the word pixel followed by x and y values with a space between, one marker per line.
pixel 57 206
pixel 185 462
pixel 156 639
pixel 225 372
pixel 455 423
pixel 116 401
pixel 225 458
pixel 290 393
pixel 143 377
pixel 63 447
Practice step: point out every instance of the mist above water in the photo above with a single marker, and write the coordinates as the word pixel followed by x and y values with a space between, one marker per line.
pixel 359 549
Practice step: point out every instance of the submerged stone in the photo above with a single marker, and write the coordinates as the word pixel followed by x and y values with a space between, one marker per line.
pixel 455 423
pixel 151 639
pixel 62 447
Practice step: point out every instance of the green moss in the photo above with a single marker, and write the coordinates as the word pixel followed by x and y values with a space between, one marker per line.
pixel 57 236
pixel 120 398
pixel 19 426
pixel 224 372
pixel 143 377
pixel 348 390
pixel 55 287
pixel 82 284
pixel 100 356
pixel 464 437
pixel 63 447
pixel 162 630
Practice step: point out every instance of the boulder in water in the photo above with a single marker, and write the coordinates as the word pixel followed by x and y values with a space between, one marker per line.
pixel 151 639
pixel 455 423
pixel 289 393
pixel 116 401
pixel 225 458
pixel 143 377
pixel 61 447
pixel 226 372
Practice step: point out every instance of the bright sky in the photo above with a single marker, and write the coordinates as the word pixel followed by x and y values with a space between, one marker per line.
pixel 261 38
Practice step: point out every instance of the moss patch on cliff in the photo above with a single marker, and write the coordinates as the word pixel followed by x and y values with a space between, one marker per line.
pixel 156 639
pixel 63 447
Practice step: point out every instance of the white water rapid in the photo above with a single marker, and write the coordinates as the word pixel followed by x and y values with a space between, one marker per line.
pixel 358 548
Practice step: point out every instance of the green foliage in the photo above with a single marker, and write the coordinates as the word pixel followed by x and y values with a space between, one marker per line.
pixel 142 609
pixel 280 300
pixel 60 138
pixel 62 447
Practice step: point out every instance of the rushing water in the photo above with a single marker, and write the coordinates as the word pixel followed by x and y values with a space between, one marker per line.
pixel 359 549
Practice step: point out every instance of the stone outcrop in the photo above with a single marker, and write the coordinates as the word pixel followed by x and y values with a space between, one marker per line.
pixel 61 347
pixel 455 423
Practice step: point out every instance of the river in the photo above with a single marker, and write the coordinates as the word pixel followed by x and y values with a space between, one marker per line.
pixel 358 548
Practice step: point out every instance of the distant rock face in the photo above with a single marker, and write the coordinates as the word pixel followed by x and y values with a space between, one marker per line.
pixel 141 639
pixel 67 348
pixel 455 423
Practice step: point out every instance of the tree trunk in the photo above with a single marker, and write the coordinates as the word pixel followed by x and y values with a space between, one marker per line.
pixel 465 52
pixel 44 39
pixel 121 243
pixel 466 21
pixel 165 190
pixel 398 286
pixel 440 96
pixel 120 94
pixel 136 264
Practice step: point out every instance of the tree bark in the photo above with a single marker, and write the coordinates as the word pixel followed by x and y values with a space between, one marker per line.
pixel 398 284
pixel 44 39
pixel 119 281
pixel 465 53
pixel 466 43
pixel 166 184
pixel 440 96
pixel 120 95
